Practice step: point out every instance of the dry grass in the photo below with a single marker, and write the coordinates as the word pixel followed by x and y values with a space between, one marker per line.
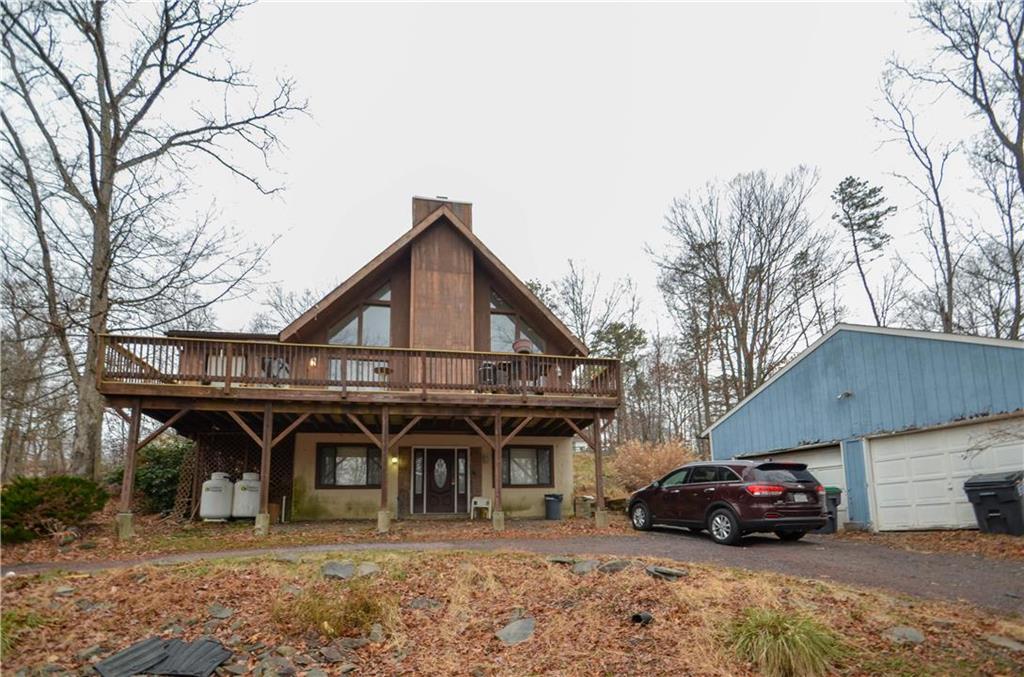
pixel 155 537
pixel 965 542
pixel 784 644
pixel 352 610
pixel 582 622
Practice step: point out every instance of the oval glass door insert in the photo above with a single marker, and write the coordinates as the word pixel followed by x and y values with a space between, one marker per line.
pixel 440 473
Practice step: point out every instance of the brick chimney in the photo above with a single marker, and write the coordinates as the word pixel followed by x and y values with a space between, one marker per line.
pixel 422 207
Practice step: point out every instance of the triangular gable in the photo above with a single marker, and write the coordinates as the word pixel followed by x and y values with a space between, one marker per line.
pixel 339 294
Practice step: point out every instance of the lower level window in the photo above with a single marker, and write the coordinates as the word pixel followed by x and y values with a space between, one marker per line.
pixel 526 466
pixel 347 465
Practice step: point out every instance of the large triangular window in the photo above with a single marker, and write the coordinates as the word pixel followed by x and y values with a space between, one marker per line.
pixel 508 327
pixel 368 325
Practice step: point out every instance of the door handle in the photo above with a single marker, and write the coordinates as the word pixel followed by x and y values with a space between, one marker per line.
pixel 709 489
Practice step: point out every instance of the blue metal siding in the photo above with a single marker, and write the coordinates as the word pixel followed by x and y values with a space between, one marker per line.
pixel 858 508
pixel 897 383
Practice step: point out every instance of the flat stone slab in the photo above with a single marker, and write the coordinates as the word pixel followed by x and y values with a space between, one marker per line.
pixel 666 573
pixel 423 602
pixel 614 566
pixel 560 559
pixel 584 566
pixel 343 569
pixel 517 631
pixel 1005 642
pixel 219 611
pixel 904 634
pixel 367 569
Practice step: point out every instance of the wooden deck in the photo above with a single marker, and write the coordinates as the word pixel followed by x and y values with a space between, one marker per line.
pixel 261 371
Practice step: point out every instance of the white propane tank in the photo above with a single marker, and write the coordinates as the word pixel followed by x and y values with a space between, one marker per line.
pixel 247 496
pixel 215 503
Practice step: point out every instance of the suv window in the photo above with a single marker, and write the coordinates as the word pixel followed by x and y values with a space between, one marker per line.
pixel 703 473
pixel 727 475
pixel 782 473
pixel 675 479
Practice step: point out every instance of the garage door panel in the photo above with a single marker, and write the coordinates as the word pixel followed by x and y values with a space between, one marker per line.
pixel 918 478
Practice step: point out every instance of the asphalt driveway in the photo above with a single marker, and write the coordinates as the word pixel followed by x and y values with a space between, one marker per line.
pixel 994 584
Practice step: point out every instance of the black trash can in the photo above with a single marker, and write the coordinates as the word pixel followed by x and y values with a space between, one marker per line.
pixel 833 497
pixel 998 502
pixel 553 506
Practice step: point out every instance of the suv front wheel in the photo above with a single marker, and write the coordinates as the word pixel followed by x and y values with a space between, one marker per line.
pixel 640 516
pixel 723 527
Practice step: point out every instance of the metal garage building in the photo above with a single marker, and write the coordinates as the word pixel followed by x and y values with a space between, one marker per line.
pixel 897 418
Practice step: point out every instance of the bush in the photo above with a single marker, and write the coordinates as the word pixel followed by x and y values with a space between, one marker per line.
pixel 158 472
pixel 33 506
pixel 333 613
pixel 784 644
pixel 636 464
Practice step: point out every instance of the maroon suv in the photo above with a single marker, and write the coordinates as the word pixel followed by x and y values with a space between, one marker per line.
pixel 733 498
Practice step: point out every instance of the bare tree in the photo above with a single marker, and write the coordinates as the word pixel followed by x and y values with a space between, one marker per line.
pixel 281 307
pixel 862 212
pixel 945 249
pixel 755 261
pixel 978 56
pixel 996 271
pixel 98 147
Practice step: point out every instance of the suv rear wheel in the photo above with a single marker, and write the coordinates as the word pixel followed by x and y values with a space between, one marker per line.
pixel 790 535
pixel 723 527
pixel 640 516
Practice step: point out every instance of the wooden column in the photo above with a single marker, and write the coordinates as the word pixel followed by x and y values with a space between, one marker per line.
pixel 266 447
pixel 128 481
pixel 384 445
pixel 598 473
pixel 498 444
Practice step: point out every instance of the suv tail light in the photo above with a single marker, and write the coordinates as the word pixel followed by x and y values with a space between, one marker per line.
pixel 764 489
pixel 820 489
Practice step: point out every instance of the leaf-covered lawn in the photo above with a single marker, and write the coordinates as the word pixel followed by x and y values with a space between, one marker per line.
pixel 162 537
pixel 439 613
pixel 965 542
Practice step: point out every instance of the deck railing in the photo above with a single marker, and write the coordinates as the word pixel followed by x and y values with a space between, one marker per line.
pixel 265 364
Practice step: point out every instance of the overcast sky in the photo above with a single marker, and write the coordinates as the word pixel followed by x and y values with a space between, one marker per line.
pixel 569 127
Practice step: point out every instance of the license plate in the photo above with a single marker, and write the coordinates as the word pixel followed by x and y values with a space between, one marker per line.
pixel 799 498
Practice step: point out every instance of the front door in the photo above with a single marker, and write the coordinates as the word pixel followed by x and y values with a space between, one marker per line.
pixel 440 480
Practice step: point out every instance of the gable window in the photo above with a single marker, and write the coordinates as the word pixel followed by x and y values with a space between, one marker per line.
pixel 527 467
pixel 347 465
pixel 507 327
pixel 368 325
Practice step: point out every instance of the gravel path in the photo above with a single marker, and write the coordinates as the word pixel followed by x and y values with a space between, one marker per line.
pixel 990 583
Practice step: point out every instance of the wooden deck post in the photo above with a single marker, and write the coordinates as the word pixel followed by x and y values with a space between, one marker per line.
pixel 384 514
pixel 124 514
pixel 497 514
pixel 600 515
pixel 266 446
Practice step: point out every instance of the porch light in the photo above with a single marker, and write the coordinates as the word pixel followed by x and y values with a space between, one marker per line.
pixel 394 459
pixel 312 362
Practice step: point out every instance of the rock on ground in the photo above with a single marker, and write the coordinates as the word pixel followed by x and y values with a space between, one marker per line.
pixel 584 566
pixel 665 573
pixel 220 611
pixel 614 566
pixel 1005 642
pixel 904 634
pixel 342 569
pixel 516 631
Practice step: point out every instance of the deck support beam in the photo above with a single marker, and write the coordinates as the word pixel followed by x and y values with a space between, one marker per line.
pixel 124 515
pixel 262 527
pixel 497 514
pixel 384 515
pixel 600 515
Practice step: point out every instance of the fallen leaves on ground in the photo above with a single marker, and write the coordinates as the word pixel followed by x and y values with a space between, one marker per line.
pixel 965 542
pixel 582 621
pixel 156 536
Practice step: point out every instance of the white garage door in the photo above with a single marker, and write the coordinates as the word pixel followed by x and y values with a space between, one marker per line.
pixel 826 464
pixel 918 478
